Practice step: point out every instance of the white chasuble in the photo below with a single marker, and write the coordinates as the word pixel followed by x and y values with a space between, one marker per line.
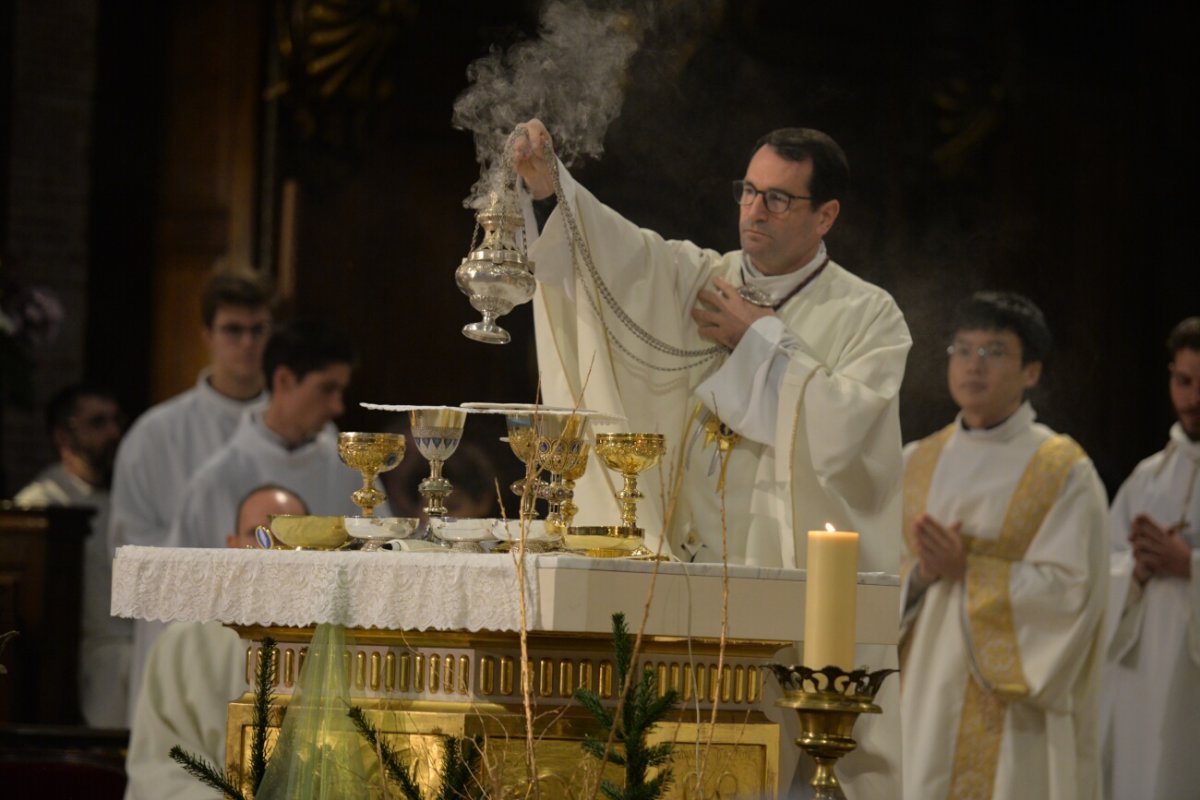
pixel 812 395
pixel 1000 680
pixel 1153 675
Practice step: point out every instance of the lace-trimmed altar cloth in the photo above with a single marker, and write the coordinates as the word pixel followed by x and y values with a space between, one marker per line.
pixel 471 592
pixel 300 588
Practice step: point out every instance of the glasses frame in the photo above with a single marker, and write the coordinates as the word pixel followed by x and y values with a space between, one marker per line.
pixel 743 187
pixel 987 354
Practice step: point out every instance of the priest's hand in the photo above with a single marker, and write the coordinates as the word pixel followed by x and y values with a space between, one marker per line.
pixel 531 160
pixel 1159 550
pixel 939 549
pixel 724 315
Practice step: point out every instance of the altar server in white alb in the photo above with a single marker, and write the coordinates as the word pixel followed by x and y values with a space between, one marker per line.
pixel 292 442
pixel 85 423
pixel 772 372
pixel 167 443
pixel 1154 654
pixel 194 671
pixel 1006 581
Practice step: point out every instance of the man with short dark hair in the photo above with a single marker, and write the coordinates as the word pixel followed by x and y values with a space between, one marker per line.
pixel 292 442
pixel 1154 671
pixel 85 423
pixel 167 443
pixel 772 372
pixel 194 671
pixel 1004 595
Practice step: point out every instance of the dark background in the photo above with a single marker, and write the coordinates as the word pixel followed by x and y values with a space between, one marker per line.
pixel 1007 145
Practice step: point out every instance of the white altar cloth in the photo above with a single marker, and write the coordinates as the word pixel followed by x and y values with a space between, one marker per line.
pixel 474 592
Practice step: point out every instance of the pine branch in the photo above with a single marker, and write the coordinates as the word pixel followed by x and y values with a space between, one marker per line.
pixel 207 773
pixel 391 764
pixel 264 682
pixel 459 768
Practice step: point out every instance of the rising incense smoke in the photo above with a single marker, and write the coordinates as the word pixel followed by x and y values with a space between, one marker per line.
pixel 572 77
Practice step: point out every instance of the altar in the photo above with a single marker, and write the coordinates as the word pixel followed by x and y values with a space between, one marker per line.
pixel 434 646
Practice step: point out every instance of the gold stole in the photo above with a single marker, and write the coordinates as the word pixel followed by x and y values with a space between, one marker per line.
pixel 997 677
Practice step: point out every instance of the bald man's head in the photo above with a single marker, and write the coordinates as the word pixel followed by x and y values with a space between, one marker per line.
pixel 258 507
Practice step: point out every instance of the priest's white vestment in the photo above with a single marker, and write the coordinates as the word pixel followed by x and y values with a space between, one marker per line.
pixel 1001 670
pixel 104 640
pixel 194 671
pixel 255 457
pixel 813 394
pixel 156 459
pixel 1154 671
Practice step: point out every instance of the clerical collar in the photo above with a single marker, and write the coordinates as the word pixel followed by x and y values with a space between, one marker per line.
pixel 778 289
pixel 255 419
pixel 1184 442
pixel 1002 431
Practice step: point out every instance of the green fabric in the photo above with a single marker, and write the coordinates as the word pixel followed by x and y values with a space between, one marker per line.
pixel 319 755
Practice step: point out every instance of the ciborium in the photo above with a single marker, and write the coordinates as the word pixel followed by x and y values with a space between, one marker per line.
pixel 496 274
pixel 828 702
pixel 370 454
pixel 436 432
pixel 630 454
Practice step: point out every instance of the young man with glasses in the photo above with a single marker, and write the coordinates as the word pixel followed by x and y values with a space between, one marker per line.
pixel 85 423
pixel 169 441
pixel 773 372
pixel 1154 654
pixel 1005 580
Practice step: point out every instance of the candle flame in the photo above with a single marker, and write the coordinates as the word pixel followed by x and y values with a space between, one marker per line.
pixel 829 527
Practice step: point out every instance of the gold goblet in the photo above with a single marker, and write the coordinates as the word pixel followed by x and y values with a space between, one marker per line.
pixel 370 454
pixel 436 432
pixel 521 438
pixel 630 454
pixel 558 448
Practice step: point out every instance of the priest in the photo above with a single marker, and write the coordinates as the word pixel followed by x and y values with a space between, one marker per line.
pixel 1005 583
pixel 194 671
pixel 292 442
pixel 1154 654
pixel 772 371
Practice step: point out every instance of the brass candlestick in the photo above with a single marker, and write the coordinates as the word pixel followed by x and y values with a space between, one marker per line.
pixel 370 454
pixel 828 702
pixel 630 454
pixel 436 432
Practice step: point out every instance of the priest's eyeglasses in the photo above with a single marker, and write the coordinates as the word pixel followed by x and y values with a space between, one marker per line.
pixel 777 201
pixel 987 353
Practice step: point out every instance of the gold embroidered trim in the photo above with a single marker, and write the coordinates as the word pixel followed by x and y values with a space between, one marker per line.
pixel 918 474
pixel 998 676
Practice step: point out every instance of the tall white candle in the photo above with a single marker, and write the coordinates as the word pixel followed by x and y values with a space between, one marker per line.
pixel 829 598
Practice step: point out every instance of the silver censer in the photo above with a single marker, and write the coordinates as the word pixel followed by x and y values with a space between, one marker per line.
pixel 496 275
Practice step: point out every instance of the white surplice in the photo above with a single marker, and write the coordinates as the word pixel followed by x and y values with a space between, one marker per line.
pixel 194 671
pixel 157 457
pixel 1154 670
pixel 813 393
pixel 104 640
pixel 255 457
pixel 1049 747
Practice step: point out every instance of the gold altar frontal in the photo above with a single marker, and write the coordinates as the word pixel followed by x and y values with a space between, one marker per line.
pixel 417 687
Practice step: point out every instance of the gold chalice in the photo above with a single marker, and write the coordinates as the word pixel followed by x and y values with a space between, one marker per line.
pixel 558 448
pixel 436 432
pixel 521 438
pixel 568 509
pixel 370 454
pixel 630 454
